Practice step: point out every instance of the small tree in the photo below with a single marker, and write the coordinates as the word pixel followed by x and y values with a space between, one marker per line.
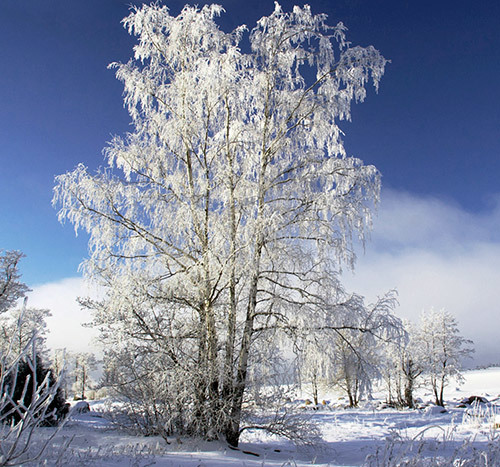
pixel 315 365
pixel 403 363
pixel 59 361
pixel 353 365
pixel 18 326
pixel 11 288
pixel 357 361
pixel 444 349
pixel 83 364
pixel 346 353
pixel 411 370
pixel 412 362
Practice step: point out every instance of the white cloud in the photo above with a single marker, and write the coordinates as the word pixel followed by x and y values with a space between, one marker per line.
pixel 406 221
pixel 436 255
pixel 65 324
pixel 433 252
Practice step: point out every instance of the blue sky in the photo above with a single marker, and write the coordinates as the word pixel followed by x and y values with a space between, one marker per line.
pixel 433 129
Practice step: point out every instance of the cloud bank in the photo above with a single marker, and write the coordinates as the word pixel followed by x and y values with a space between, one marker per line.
pixel 433 252
pixel 65 324
pixel 438 255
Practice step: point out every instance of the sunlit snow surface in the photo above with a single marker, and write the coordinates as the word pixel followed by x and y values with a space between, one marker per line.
pixel 350 436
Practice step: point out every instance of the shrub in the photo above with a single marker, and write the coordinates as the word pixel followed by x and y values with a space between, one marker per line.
pixel 23 386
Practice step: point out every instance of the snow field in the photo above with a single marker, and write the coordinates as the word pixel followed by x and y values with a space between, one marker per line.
pixel 367 435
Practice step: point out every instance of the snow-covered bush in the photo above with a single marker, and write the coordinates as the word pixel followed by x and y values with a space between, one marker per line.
pixel 155 398
pixel 29 392
pixel 29 398
pixel 482 415
pixel 420 453
pixel 21 387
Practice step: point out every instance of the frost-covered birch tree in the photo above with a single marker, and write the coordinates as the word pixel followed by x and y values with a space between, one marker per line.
pixel 346 353
pixel 403 363
pixel 11 288
pixel 20 325
pixel 445 349
pixel 222 218
pixel 83 365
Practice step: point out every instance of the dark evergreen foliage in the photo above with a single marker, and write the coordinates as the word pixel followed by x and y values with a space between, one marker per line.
pixel 26 382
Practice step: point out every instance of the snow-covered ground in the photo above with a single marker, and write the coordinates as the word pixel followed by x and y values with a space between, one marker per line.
pixel 368 435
